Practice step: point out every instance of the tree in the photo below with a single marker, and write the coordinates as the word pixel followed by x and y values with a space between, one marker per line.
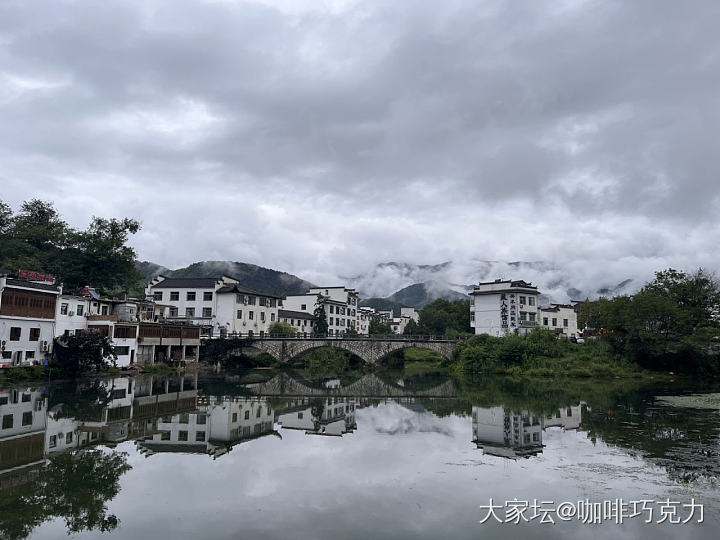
pixel 378 327
pixel 38 239
pixel 320 323
pixel 351 332
pixel 411 328
pixel 440 316
pixel 281 329
pixel 90 351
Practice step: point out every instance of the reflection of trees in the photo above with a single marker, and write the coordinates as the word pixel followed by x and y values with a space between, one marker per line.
pixel 73 487
pixel 83 401
pixel 683 441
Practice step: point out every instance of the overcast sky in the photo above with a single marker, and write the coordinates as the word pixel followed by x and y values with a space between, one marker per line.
pixel 321 138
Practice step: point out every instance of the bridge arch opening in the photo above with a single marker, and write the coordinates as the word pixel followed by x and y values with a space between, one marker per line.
pixel 324 359
pixel 411 354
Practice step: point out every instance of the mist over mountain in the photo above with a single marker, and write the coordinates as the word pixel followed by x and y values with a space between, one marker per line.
pixel 251 275
pixel 416 285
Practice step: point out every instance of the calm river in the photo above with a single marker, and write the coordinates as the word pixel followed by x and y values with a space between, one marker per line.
pixel 374 456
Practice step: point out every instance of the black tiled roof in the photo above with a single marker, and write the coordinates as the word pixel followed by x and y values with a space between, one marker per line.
pixel 241 289
pixel 32 285
pixel 187 283
pixel 289 314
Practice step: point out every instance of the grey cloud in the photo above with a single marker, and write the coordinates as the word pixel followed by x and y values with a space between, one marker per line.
pixel 381 130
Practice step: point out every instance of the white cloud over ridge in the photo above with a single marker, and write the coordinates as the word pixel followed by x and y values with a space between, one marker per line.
pixel 324 138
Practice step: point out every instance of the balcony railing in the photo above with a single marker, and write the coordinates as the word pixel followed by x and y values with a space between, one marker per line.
pixel 527 324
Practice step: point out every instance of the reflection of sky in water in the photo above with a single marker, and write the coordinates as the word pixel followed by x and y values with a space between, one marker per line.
pixel 402 474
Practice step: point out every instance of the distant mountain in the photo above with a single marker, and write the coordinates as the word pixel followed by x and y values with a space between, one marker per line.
pixel 253 276
pixel 558 283
pixel 421 294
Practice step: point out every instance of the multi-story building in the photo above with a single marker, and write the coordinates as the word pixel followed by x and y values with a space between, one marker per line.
pixel 340 303
pixel 501 307
pixel 330 416
pixel 27 320
pixel 221 305
pixel 301 321
pixel 561 318
pixel 364 316
pixel 244 311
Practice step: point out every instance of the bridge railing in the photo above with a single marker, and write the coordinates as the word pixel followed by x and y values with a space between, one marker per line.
pixel 310 335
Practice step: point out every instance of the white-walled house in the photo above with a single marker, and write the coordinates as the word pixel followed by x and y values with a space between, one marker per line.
pixel 561 318
pixel 500 307
pixel 245 311
pixel 221 305
pixel 341 306
pixel 364 316
pixel 71 315
pixel 27 321
pixel 301 321
pixel 190 300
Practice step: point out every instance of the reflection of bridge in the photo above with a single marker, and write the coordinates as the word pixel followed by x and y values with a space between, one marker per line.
pixel 371 350
pixel 366 386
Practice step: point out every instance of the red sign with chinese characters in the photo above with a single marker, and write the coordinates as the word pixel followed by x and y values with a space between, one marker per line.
pixel 32 275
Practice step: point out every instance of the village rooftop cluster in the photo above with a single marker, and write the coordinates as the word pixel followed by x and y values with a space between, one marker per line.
pixel 176 313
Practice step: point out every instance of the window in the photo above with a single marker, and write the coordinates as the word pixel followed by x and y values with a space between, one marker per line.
pixel 79 310
pixel 262 301
pixel 29 354
pixel 272 317
pixel 182 435
pixel 157 296
pixel 68 438
pixel 190 312
pixel 472 315
pixel 165 436
pixel 207 312
pixel 174 296
pixel 273 302
pixel 262 316
pixel 251 300
pixel 258 412
pixel 26 398
pixel 239 313
pixel 3 400
pixel 565 323
pixel 300 416
pixel 532 317
pixel 332 309
pixel 7 421
pixel 53 441
pixel 34 334
pixel 251 315
pixel 554 321
pixel 6 355
pixel 234 417
pixel 104 310
pixel 15 333
pixel 63 309
pixel 184 418
pixel 190 297
pixel 122 351
pixel 247 415
pixel 207 297
pixel 201 419
pixel 173 312
pixel 522 299
pixel 303 307
pixel 545 321
pixel 531 300
pixel 199 436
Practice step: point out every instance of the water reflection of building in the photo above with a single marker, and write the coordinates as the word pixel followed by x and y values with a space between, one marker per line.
pixel 504 433
pixel 513 434
pixel 566 418
pixel 22 427
pixel 218 424
pixel 320 416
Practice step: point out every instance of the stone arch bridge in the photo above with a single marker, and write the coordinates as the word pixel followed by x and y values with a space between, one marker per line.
pixel 371 350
